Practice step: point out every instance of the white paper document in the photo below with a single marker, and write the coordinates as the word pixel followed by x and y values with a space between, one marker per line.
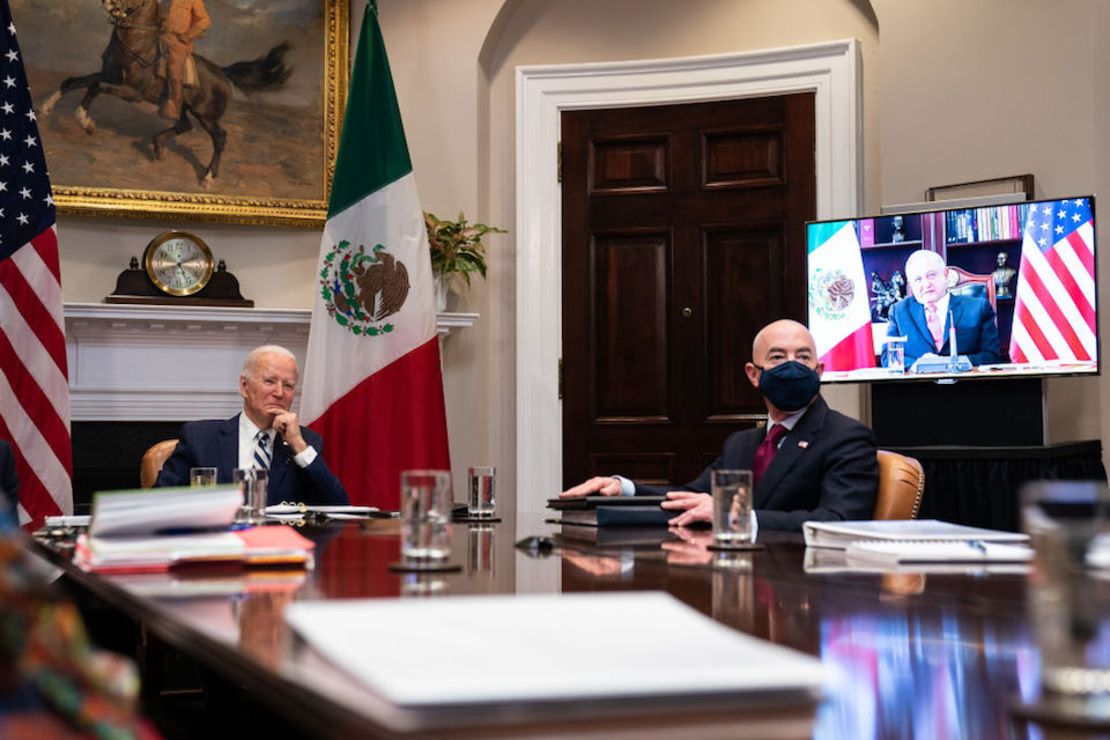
pixel 495 649
pixel 119 513
pixel 841 534
pixel 939 552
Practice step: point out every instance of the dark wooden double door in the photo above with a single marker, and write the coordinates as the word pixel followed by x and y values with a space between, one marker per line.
pixel 683 234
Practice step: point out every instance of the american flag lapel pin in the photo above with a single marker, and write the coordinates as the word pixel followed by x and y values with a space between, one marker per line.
pixel 803 443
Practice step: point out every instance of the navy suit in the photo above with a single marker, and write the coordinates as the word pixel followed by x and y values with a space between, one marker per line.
pixel 215 444
pixel 825 470
pixel 976 330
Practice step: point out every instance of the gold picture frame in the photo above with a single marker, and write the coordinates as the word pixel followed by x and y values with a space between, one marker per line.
pixel 85 190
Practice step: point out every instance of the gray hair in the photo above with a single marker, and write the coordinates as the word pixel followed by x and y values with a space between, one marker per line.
pixel 923 255
pixel 251 362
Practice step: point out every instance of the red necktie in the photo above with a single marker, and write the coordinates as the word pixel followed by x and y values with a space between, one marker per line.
pixel 936 324
pixel 766 452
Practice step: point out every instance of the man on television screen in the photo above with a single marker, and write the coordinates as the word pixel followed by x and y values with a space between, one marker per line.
pixel 927 316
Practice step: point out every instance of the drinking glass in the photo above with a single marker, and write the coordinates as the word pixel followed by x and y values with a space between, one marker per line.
pixel 896 355
pixel 481 486
pixel 1069 587
pixel 732 508
pixel 252 482
pixel 425 516
pixel 202 477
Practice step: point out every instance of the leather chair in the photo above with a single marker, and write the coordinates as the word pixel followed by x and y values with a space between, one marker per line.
pixel 153 460
pixel 963 282
pixel 901 483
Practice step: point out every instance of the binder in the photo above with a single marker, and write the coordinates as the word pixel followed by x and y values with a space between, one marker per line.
pixel 841 534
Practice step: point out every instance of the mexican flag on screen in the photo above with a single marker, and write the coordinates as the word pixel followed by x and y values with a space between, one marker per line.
pixel 839 309
pixel 372 383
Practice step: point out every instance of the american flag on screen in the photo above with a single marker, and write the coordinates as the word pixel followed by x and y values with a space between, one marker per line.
pixel 34 390
pixel 1054 313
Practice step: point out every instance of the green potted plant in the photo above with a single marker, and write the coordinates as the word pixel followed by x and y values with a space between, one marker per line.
pixel 457 250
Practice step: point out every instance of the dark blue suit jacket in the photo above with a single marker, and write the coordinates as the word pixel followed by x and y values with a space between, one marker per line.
pixel 215 444
pixel 825 470
pixel 976 329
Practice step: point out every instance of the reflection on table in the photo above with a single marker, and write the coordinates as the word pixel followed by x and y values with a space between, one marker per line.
pixel 909 654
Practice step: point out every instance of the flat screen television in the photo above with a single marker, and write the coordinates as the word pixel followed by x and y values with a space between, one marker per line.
pixel 993 291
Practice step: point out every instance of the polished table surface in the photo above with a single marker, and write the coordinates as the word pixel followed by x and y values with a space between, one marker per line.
pixel 910 654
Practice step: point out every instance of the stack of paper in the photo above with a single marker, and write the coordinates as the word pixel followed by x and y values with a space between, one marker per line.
pixel 152 531
pixel 154 554
pixel 274 545
pixel 294 512
pixel 841 534
pixel 938 552
pixel 146 512
pixel 551 649
pixel 271 545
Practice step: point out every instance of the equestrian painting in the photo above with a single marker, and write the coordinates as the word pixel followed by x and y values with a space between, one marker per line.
pixel 180 96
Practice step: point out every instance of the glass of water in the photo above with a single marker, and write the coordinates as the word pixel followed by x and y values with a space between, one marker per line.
pixel 732 508
pixel 1068 523
pixel 425 516
pixel 480 504
pixel 896 355
pixel 202 477
pixel 252 482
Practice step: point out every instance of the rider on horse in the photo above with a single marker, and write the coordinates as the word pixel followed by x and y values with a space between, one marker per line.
pixel 185 22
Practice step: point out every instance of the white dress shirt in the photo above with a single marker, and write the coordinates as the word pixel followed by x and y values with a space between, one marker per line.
pixel 248 431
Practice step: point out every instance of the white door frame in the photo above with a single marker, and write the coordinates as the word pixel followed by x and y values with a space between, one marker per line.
pixel 831 70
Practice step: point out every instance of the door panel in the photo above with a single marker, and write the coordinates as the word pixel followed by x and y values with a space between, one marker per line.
pixel 629 165
pixel 737 261
pixel 631 375
pixel 742 158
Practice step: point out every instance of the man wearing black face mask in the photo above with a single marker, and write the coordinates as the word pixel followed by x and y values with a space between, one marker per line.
pixel 810 463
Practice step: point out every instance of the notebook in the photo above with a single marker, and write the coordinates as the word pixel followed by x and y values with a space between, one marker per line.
pixel 903 552
pixel 592 502
pixel 841 534
pixel 618 516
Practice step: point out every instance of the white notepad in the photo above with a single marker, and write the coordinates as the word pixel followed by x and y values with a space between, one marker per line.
pixel 902 552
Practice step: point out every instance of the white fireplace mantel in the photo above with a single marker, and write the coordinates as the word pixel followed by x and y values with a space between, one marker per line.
pixel 176 363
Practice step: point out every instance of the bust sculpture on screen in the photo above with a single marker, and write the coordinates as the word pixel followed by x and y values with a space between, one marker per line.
pixel 928 314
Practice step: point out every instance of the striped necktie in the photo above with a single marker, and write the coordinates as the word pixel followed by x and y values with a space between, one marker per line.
pixel 262 450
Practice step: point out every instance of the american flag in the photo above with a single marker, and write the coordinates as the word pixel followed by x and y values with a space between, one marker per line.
pixel 1054 313
pixel 34 390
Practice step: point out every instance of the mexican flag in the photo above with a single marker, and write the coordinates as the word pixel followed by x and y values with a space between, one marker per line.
pixel 839 310
pixel 372 383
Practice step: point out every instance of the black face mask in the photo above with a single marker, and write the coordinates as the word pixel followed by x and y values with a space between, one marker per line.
pixel 789 386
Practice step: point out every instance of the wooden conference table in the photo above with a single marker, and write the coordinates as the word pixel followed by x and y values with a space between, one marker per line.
pixel 911 655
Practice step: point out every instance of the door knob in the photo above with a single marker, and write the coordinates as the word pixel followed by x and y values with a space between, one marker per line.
pixel 687 312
